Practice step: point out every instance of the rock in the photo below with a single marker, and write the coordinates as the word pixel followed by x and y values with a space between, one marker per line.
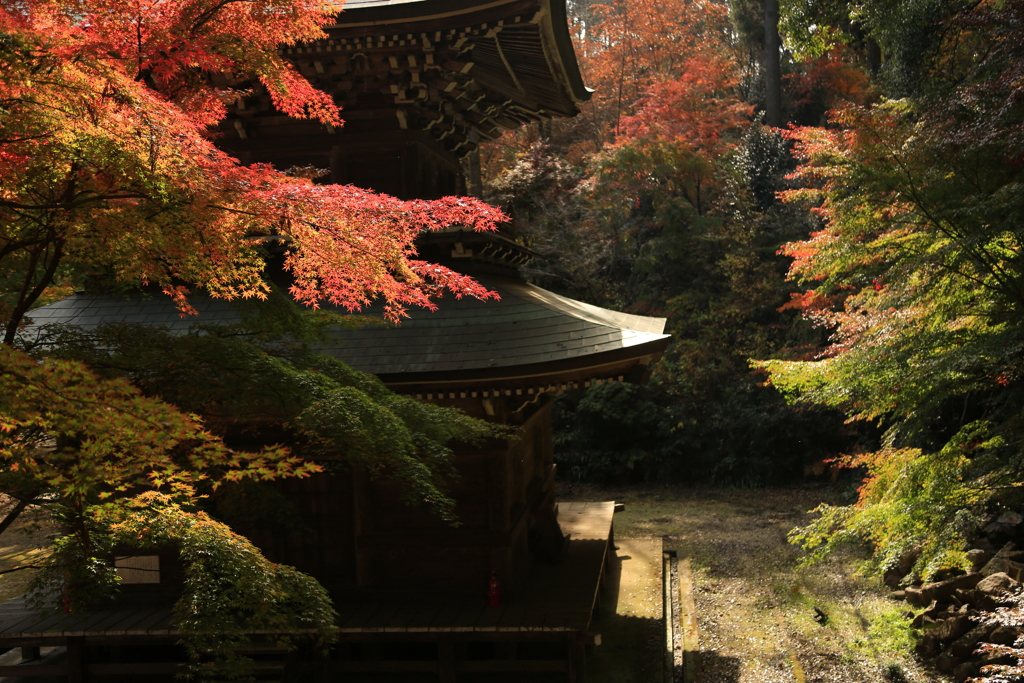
pixel 907 562
pixel 898 595
pixel 1000 562
pixel 977 599
pixel 894 575
pixel 996 658
pixel 965 597
pixel 914 596
pixel 998 530
pixel 944 590
pixel 1003 565
pixel 952 628
pixel 965 645
pixel 892 578
pixel 1010 517
pixel 964 671
pixel 946 662
pixel 978 558
pixel 996 584
pixel 928 646
pixel 1004 635
pixel 986 603
pixel 986 545
pixel 922 621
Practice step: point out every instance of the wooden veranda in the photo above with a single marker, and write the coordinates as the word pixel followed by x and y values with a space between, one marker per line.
pixel 541 636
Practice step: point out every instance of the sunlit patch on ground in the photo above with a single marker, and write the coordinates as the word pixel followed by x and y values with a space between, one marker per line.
pixel 24 543
pixel 756 607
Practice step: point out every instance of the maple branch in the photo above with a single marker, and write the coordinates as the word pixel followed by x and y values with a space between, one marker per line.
pixel 209 13
pixel 12 247
pixel 28 297
pixel 106 405
pixel 239 212
pixel 11 141
pixel 13 514
pixel 69 204
pixel 947 227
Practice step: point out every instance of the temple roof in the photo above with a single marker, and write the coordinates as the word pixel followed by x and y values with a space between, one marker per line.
pixel 446 67
pixel 529 338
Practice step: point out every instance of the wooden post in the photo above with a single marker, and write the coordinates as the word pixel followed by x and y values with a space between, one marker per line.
pixel 446 672
pixel 76 660
pixel 362 522
pixel 30 653
pixel 576 657
pixel 476 184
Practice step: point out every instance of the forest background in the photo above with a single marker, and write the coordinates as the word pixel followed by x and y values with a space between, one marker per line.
pixel 843 287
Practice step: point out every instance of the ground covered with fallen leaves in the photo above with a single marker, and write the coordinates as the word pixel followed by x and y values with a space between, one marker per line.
pixel 762 617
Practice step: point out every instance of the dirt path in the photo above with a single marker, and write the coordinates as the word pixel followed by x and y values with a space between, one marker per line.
pixel 756 608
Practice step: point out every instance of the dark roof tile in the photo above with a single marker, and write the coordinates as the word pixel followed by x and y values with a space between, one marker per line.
pixel 528 325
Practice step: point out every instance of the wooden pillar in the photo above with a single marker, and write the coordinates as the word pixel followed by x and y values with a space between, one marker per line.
pixel 476 185
pixel 339 173
pixel 362 522
pixel 323 666
pixel 498 492
pixel 30 653
pixel 575 653
pixel 76 660
pixel 446 671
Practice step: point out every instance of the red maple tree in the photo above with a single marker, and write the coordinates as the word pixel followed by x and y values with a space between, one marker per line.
pixel 108 166
pixel 107 163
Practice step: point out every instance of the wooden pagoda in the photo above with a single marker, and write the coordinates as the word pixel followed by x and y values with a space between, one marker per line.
pixel 421 82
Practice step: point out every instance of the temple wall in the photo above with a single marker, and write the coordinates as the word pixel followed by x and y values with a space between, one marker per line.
pixel 359 537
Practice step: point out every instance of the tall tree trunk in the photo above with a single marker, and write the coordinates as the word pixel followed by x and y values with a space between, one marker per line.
pixel 874 55
pixel 772 65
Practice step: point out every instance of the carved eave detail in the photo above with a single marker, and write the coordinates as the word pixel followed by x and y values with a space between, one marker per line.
pixel 490 76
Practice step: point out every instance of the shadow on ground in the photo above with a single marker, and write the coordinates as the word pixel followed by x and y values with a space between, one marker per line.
pixel 716 668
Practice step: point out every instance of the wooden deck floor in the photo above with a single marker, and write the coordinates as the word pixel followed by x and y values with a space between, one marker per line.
pixel 560 598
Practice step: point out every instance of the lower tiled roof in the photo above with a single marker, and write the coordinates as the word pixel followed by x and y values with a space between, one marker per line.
pixel 528 325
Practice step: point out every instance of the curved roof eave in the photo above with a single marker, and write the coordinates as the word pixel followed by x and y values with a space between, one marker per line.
pixel 556 29
pixel 618 364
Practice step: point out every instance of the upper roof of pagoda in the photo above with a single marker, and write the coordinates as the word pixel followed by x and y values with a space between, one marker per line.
pixel 442 66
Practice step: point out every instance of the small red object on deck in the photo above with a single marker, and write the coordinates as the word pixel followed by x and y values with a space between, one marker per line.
pixel 494 590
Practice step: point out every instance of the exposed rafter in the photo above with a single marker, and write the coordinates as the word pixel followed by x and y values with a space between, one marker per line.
pixel 441 67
